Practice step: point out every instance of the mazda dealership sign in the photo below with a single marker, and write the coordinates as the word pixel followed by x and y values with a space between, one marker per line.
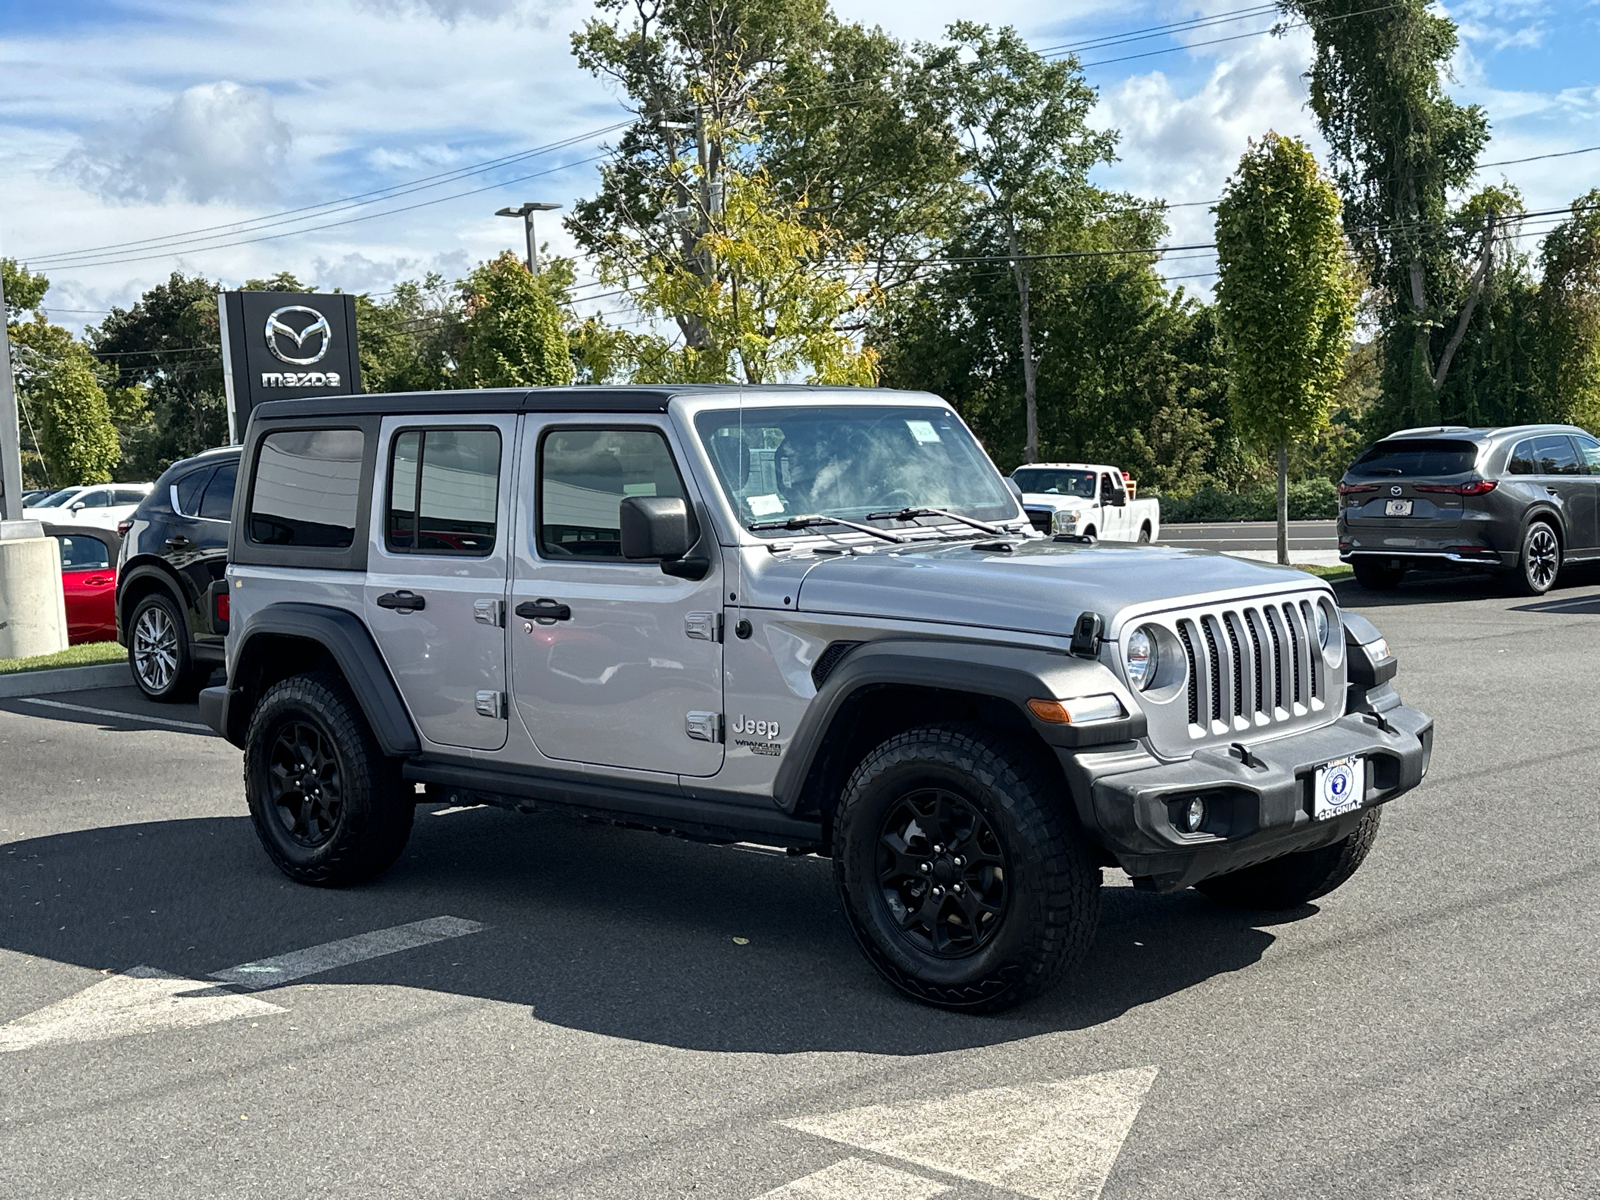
pixel 278 345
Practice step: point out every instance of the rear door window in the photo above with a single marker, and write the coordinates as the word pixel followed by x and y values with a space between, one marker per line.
pixel 1417 456
pixel 1589 453
pixel 217 502
pixel 83 553
pixel 187 491
pixel 306 490
pixel 444 488
pixel 584 476
pixel 1554 454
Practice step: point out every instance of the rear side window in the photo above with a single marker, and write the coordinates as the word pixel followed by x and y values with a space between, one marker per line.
pixel 188 490
pixel 444 488
pixel 217 502
pixel 1589 452
pixel 1417 456
pixel 83 553
pixel 1520 461
pixel 307 487
pixel 1553 455
pixel 584 476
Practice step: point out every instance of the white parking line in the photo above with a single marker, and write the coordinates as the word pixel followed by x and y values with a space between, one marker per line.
pixel 857 1179
pixel 110 712
pixel 270 972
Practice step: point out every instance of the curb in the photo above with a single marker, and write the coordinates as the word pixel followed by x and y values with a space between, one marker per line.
pixel 64 679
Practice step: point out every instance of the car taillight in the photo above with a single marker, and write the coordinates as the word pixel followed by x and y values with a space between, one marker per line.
pixel 124 526
pixel 1350 489
pixel 1473 487
pixel 222 606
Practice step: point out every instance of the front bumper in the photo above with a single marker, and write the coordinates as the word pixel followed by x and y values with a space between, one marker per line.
pixel 1130 800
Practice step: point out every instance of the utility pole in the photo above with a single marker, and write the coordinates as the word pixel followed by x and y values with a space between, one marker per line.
pixel 526 213
pixel 10 431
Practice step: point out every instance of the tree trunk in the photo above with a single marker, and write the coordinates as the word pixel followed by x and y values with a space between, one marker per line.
pixel 1030 448
pixel 1283 502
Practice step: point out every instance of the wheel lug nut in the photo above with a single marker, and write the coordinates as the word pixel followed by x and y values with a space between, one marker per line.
pixel 959 861
pixel 926 867
pixel 938 891
pixel 938 849
pixel 956 888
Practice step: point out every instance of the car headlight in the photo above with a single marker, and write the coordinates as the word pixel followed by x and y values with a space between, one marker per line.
pixel 1141 657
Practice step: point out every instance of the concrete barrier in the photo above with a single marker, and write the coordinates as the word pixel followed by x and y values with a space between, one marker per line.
pixel 65 679
pixel 33 609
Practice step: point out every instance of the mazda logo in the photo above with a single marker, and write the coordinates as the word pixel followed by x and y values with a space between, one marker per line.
pixel 278 334
pixel 1394 489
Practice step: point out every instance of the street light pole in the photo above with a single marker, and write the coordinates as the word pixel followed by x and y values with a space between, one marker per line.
pixel 526 213
pixel 10 432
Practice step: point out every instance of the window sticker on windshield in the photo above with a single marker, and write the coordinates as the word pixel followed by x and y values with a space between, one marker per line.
pixel 765 506
pixel 923 431
pixel 639 489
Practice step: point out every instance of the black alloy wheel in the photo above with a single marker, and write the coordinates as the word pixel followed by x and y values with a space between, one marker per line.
pixel 303 784
pixel 1540 562
pixel 941 873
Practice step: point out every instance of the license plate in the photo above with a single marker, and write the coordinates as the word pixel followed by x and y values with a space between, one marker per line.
pixel 1339 788
pixel 1397 508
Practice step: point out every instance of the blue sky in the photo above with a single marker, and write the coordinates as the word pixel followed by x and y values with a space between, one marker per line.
pixel 124 120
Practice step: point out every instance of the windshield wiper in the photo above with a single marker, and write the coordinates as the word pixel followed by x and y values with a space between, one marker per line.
pixel 911 514
pixel 809 520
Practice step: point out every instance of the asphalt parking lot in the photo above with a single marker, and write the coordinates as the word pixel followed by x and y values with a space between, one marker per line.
pixel 532 1006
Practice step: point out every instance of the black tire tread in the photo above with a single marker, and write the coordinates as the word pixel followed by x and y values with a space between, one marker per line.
pixel 1067 909
pixel 1296 879
pixel 378 816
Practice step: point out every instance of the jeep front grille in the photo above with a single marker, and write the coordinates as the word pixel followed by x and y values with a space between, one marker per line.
pixel 1252 668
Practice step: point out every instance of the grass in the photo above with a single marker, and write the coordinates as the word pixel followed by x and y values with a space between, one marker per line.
pixel 87 655
pixel 1339 572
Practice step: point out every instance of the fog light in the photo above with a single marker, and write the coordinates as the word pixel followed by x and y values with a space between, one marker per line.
pixel 1195 815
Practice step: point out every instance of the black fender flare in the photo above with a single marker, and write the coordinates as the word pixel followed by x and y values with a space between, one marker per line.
pixel 164 576
pixel 342 634
pixel 1013 674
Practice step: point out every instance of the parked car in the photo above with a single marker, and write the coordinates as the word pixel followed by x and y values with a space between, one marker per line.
pixel 32 496
pixel 813 618
pixel 104 503
pixel 88 579
pixel 175 545
pixel 1520 501
pixel 1086 499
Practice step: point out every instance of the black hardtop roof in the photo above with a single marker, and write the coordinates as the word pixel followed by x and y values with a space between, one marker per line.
pixel 590 399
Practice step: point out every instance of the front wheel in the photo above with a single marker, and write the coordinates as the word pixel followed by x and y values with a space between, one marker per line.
pixel 1295 879
pixel 1540 561
pixel 327 805
pixel 965 883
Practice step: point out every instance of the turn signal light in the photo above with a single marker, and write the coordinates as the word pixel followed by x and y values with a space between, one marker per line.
pixel 1078 711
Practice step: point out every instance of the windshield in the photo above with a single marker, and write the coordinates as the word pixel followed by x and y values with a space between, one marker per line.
pixel 850 461
pixel 1050 481
pixel 1417 456
pixel 57 499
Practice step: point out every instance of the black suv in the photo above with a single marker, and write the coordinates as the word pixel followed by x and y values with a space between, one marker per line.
pixel 174 547
pixel 1520 501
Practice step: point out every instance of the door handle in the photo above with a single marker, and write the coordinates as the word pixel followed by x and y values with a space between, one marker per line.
pixel 544 610
pixel 403 601
pixel 178 542
pixel 96 581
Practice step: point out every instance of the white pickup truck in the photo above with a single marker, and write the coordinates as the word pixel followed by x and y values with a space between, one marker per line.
pixel 1086 498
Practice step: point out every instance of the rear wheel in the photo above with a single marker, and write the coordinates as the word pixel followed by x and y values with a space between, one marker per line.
pixel 1144 532
pixel 1377 577
pixel 1295 879
pixel 1540 560
pixel 327 805
pixel 965 884
pixel 158 651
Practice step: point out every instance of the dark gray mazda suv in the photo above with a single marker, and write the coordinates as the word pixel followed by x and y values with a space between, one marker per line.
pixel 1520 500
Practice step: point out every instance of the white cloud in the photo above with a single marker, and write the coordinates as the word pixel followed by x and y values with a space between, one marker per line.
pixel 452 11
pixel 213 141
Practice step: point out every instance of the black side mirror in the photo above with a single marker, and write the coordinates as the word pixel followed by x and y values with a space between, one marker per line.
pixel 656 527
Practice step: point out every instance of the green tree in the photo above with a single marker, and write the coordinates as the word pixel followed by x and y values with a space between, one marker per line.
pixel 408 341
pixel 766 314
pixel 513 334
pixel 1569 316
pixel 1027 149
pixel 59 385
pixel 1285 299
pixel 24 290
pixel 1401 147
pixel 168 344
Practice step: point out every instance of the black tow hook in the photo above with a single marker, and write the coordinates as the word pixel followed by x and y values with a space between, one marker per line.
pixel 1242 752
pixel 1378 719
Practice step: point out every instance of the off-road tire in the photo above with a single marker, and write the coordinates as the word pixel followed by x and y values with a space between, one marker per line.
pixel 159 657
pixel 1539 561
pixel 374 811
pixel 1295 879
pixel 1051 885
pixel 1376 577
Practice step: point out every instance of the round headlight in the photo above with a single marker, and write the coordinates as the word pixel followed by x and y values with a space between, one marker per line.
pixel 1140 657
pixel 1320 614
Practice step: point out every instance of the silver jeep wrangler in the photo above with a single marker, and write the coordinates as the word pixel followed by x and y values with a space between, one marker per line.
pixel 805 617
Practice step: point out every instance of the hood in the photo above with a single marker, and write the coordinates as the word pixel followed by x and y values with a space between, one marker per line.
pixel 1059 503
pixel 1039 587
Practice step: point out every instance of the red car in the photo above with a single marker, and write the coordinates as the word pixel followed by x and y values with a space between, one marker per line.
pixel 89 580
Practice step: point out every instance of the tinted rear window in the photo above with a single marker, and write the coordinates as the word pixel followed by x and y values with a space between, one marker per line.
pixel 306 488
pixel 1417 456
pixel 218 502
